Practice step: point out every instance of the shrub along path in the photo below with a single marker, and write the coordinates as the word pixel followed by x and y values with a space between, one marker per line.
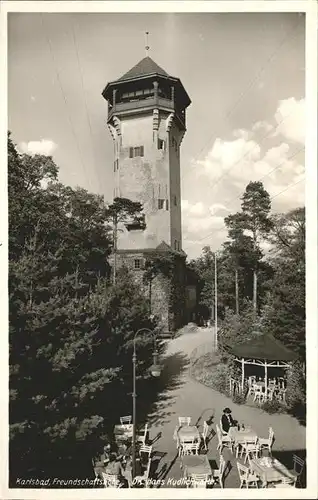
pixel 193 399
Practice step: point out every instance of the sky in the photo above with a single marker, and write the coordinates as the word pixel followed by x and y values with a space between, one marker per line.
pixel 245 75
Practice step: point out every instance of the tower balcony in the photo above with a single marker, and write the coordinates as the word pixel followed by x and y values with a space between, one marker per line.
pixel 136 106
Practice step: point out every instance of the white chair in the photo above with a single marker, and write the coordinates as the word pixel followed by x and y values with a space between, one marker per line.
pixel 189 449
pixel 221 428
pixel 184 421
pixel 198 481
pixel 185 442
pixel 144 448
pixel 217 474
pixel 251 382
pixel 281 382
pixel 272 384
pixel 286 483
pixel 259 395
pixel 298 467
pixel 282 395
pixel 270 393
pixel 110 480
pixel 204 434
pixel 142 480
pixel 141 438
pixel 267 443
pixel 246 477
pixel 224 440
pixel 251 449
pixel 125 420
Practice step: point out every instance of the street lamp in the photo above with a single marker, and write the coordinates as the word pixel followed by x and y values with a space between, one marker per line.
pixel 215 301
pixel 155 371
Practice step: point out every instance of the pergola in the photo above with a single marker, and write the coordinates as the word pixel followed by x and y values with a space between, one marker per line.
pixel 262 350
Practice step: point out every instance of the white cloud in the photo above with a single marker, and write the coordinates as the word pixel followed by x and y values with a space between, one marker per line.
pixel 220 178
pixel 225 155
pixel 218 207
pixel 197 218
pixel 184 205
pixel 196 209
pixel 290 119
pixel 241 132
pixel 42 147
pixel 276 154
pixel 262 125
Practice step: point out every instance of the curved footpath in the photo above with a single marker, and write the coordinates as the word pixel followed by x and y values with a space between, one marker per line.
pixel 193 399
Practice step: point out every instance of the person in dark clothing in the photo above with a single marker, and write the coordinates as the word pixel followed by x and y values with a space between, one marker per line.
pixel 106 453
pixel 227 420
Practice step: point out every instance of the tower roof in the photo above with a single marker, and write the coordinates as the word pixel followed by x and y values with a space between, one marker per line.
pixel 263 346
pixel 145 67
pixel 142 71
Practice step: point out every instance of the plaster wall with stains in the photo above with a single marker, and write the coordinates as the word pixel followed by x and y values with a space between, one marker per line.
pixel 149 178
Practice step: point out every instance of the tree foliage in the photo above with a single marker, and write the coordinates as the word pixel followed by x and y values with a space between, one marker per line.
pixel 124 210
pixel 203 266
pixel 238 328
pixel 70 332
pixel 285 314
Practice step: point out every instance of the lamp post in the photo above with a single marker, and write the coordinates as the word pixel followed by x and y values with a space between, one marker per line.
pixel 155 370
pixel 215 301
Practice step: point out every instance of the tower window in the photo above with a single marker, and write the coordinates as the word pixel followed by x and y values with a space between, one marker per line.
pixel 176 244
pixel 161 144
pixel 136 151
pixel 161 204
pixel 115 165
pixel 137 263
pixel 175 200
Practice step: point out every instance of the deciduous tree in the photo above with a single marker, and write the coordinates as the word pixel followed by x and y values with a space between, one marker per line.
pixel 70 333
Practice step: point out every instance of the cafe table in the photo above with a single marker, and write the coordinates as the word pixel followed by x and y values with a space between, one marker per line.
pixel 196 464
pixel 240 436
pixel 270 470
pixel 188 433
pixel 123 432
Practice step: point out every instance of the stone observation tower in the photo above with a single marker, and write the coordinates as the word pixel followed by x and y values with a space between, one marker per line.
pixel 147 121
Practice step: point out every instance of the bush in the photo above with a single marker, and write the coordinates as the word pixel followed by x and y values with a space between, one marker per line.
pixel 239 328
pixel 296 392
pixel 274 407
pixel 219 380
pixel 238 399
pixel 208 370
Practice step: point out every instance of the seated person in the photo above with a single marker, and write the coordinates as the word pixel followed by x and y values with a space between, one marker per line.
pixel 106 454
pixel 227 420
pixel 115 468
pixel 139 467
